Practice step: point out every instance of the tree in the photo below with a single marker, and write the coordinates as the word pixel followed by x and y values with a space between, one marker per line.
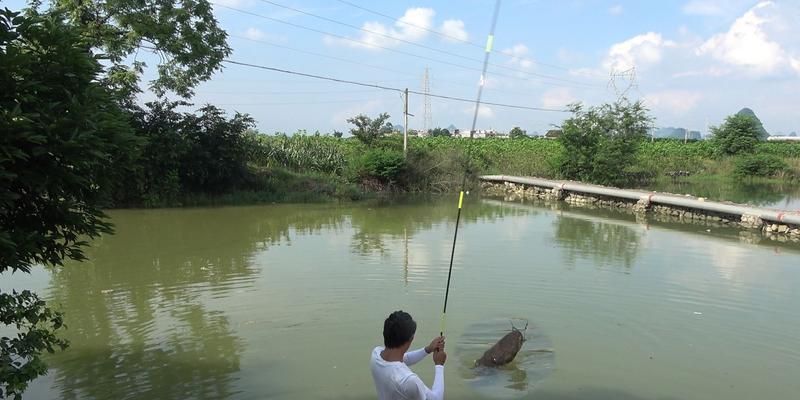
pixel 368 130
pixel 738 134
pixel 216 157
pixel 600 143
pixel 184 33
pixel 337 134
pixel 517 133
pixel 439 132
pixel 62 135
pixel 762 133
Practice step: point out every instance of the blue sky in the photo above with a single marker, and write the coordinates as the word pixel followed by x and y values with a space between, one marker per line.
pixel 696 60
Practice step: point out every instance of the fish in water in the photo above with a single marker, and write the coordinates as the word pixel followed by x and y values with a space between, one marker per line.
pixel 504 351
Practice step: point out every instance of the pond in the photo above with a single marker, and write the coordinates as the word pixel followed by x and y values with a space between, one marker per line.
pixel 780 196
pixel 287 302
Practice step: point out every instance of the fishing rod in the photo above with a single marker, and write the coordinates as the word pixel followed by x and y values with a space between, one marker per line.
pixel 489 43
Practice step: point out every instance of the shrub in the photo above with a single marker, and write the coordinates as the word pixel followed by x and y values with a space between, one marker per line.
pixel 600 143
pixel 738 134
pixel 761 165
pixel 383 164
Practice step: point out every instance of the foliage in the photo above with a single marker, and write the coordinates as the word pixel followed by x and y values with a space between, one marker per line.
pixel 301 152
pixel 762 133
pixel 216 156
pixel 436 132
pixel 337 134
pixel 20 359
pixel 184 33
pixel 368 130
pixel 185 153
pixel 154 180
pixel 600 143
pixel 760 165
pixel 517 133
pixel 62 135
pixel 383 164
pixel 738 134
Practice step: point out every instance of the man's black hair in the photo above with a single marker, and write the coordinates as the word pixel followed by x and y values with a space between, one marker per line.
pixel 398 329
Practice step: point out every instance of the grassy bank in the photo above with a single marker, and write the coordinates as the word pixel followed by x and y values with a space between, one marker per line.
pixel 436 164
pixel 311 168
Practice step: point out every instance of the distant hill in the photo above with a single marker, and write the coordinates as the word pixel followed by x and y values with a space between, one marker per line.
pixel 676 133
pixel 452 128
pixel 750 113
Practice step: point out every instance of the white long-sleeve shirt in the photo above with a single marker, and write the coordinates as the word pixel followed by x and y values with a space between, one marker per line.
pixel 395 381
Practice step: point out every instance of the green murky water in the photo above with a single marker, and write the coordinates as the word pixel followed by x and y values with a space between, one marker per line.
pixel 287 301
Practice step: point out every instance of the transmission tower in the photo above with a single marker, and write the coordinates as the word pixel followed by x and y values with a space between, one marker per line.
pixel 426 113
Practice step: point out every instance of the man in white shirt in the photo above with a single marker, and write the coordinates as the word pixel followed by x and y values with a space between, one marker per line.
pixel 389 364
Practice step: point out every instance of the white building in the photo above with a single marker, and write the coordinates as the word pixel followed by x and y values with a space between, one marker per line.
pixel 479 134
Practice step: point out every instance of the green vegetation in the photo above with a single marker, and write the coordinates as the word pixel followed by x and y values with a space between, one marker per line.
pixel 758 165
pixel 739 134
pixel 75 142
pixel 600 143
pixel 517 133
pixel 369 130
pixel 185 34
pixel 62 136
pixel 436 164
pixel 435 132
pixel 71 140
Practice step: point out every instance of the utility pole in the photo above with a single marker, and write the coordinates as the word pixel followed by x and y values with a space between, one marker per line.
pixel 405 123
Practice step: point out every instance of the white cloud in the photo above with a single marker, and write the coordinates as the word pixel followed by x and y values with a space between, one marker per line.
pixel 616 9
pixel 483 112
pixel 557 98
pixel 637 51
pixel 795 63
pixel 518 54
pixel 454 28
pixel 746 44
pixel 673 101
pixel 704 7
pixel 412 26
pixel 255 34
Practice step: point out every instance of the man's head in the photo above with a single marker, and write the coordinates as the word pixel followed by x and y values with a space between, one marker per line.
pixel 398 330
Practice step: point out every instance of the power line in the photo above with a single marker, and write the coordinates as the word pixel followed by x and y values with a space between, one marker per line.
pixel 292 92
pixel 349 82
pixel 367 44
pixel 288 103
pixel 458 39
pixel 449 53
pixel 394 71
pixel 377 67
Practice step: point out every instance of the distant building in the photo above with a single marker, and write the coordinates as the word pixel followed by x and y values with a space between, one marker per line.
pixel 784 139
pixel 553 134
pixel 479 134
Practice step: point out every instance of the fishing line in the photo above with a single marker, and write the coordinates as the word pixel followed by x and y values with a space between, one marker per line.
pixel 489 43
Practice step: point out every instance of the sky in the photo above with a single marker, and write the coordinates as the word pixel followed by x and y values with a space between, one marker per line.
pixel 694 61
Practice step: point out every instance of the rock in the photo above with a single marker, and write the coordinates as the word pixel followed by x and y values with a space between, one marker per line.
pixel 773 228
pixel 783 229
pixel 795 232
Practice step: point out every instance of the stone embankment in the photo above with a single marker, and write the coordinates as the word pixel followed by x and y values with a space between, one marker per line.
pixel 753 220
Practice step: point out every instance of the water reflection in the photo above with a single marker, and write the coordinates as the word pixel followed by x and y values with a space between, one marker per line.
pixel 780 196
pixel 604 242
pixel 379 226
pixel 137 312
